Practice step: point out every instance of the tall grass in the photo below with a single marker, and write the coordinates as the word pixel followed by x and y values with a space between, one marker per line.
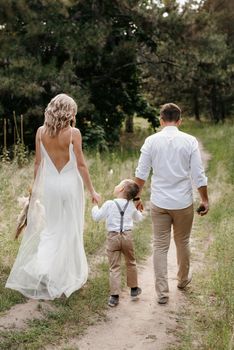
pixel 211 312
pixel 14 182
pixel 69 316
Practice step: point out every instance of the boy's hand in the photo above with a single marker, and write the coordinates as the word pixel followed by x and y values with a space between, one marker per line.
pixel 96 198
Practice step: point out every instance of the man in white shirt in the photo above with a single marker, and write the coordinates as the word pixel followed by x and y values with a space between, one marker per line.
pixel 174 158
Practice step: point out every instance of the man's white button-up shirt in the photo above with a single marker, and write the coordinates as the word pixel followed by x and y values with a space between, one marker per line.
pixel 174 157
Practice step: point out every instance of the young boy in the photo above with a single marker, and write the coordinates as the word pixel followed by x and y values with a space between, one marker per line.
pixel 119 215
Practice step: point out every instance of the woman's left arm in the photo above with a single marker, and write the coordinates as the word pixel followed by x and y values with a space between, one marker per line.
pixel 82 166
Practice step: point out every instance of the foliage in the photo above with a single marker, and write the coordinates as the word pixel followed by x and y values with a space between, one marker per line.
pixel 209 68
pixel 5 158
pixel 96 136
pixel 20 154
pixel 194 61
pixel 87 49
pixel 117 59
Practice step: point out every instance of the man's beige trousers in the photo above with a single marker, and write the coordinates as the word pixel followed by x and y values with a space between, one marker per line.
pixel 163 219
pixel 118 243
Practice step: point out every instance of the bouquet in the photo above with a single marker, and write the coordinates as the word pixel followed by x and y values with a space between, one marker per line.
pixel 22 218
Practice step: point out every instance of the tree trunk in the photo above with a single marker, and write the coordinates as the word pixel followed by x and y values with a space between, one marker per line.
pixel 5 134
pixel 223 112
pixel 196 107
pixel 129 127
pixel 214 106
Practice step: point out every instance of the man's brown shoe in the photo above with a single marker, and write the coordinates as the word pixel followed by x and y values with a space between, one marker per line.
pixel 184 284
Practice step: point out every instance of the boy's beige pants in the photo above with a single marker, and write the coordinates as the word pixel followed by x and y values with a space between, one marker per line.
pixel 163 219
pixel 118 243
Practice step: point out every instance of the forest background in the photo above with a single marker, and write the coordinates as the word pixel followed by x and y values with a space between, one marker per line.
pixel 118 59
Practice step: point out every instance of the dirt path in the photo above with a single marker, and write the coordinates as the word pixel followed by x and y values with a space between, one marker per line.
pixel 138 325
pixel 18 316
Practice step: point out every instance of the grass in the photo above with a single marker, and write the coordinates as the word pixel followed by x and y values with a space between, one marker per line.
pixel 14 182
pixel 69 317
pixel 209 322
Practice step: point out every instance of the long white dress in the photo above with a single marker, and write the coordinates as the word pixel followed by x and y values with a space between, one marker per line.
pixel 51 259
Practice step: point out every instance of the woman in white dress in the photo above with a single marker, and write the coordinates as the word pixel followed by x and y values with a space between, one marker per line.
pixel 51 260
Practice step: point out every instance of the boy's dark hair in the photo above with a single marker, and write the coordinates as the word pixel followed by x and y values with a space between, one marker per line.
pixel 170 112
pixel 131 189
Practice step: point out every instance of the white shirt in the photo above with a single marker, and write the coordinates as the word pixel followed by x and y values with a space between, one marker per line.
pixel 174 157
pixel 111 214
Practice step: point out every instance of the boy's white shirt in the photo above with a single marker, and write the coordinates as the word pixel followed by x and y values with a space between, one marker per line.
pixel 110 212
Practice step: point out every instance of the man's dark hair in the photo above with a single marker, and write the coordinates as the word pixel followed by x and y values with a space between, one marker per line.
pixel 170 112
pixel 131 189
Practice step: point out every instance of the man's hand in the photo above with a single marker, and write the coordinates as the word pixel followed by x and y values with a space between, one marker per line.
pixel 139 205
pixel 204 204
pixel 203 208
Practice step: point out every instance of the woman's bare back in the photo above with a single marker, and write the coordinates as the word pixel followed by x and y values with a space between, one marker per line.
pixel 57 147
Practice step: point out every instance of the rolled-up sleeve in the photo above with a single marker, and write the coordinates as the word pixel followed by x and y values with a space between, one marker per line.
pixel 145 161
pixel 197 169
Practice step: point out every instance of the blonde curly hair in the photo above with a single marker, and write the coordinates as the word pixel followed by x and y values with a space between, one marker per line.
pixel 60 112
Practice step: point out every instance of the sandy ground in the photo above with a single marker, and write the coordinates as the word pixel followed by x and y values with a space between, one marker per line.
pixel 19 315
pixel 138 325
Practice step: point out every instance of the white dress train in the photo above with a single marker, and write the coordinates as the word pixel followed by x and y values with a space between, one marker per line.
pixel 51 260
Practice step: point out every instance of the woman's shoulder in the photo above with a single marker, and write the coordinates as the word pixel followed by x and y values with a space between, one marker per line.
pixel 40 128
pixel 39 131
pixel 76 133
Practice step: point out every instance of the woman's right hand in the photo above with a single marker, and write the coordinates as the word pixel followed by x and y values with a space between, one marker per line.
pixel 96 198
